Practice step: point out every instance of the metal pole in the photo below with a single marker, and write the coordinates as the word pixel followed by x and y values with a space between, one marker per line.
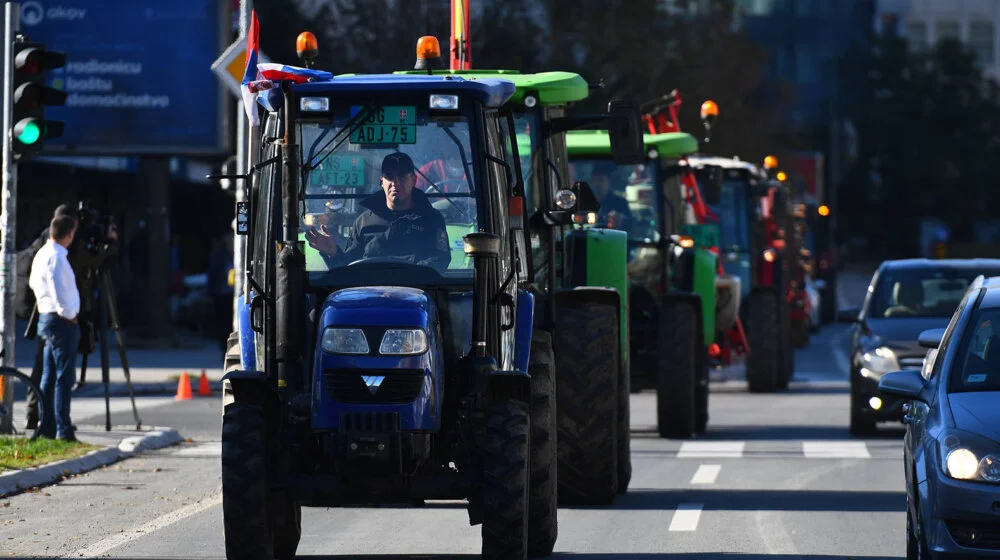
pixel 8 219
pixel 242 140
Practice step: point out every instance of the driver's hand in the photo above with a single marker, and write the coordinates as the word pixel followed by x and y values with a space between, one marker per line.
pixel 322 240
pixel 112 232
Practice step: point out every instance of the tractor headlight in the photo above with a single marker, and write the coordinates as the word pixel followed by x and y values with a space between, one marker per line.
pixel 403 342
pixel 344 341
pixel 967 456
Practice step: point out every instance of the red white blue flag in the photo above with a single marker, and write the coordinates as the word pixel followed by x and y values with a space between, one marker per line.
pixel 250 74
pixel 279 72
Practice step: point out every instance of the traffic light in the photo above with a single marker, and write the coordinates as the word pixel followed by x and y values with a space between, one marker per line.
pixel 31 95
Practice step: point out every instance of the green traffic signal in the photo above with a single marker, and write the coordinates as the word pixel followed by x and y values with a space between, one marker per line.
pixel 28 133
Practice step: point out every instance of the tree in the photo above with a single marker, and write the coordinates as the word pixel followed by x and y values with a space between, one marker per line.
pixel 927 126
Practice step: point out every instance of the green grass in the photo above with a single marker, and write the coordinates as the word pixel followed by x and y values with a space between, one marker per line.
pixel 19 453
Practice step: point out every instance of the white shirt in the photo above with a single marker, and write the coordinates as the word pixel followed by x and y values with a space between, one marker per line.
pixel 53 281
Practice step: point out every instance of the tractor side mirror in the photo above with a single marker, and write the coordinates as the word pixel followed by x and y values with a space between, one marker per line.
pixel 242 218
pixel 625 133
pixel 586 200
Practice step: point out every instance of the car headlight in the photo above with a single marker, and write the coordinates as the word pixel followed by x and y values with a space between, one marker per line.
pixel 403 342
pixel 344 341
pixel 880 360
pixel 967 456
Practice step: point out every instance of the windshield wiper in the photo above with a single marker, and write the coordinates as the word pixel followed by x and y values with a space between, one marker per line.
pixel 351 125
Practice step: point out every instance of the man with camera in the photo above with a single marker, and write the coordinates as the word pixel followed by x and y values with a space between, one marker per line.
pixel 94 241
pixel 58 302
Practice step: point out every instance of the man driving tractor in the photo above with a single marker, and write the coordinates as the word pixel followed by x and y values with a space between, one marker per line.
pixel 397 222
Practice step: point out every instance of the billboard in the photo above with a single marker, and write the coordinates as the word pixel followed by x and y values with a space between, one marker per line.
pixel 137 74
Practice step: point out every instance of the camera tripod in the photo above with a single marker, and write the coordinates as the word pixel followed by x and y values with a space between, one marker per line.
pixel 107 307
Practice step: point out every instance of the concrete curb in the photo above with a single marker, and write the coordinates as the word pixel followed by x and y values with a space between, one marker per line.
pixel 18 481
pixel 166 388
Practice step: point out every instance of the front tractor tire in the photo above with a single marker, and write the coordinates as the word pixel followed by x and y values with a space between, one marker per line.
pixel 506 452
pixel 543 490
pixel 765 364
pixel 678 372
pixel 587 368
pixel 244 483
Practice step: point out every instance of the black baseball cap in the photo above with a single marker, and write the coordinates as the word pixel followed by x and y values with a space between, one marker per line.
pixel 397 163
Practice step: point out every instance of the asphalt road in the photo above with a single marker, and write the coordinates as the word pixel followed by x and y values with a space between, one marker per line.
pixel 775 476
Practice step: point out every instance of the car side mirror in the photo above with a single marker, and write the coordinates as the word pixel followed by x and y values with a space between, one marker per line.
pixel 907 384
pixel 586 200
pixel 848 314
pixel 625 133
pixel 930 338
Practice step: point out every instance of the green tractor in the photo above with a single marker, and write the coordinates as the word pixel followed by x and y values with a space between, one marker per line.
pixel 671 271
pixel 580 281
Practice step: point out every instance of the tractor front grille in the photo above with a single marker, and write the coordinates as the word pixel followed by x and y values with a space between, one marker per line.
pixel 366 386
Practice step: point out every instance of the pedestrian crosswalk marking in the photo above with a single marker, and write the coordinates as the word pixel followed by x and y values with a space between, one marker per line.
pixel 711 449
pixel 835 450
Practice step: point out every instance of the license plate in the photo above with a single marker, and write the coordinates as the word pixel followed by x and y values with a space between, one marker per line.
pixel 390 125
pixel 339 171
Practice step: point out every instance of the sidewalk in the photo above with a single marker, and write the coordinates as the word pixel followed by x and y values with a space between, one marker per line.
pixel 119 443
pixel 150 369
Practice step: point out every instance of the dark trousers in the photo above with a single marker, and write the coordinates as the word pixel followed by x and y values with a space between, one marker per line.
pixel 62 339
pixel 36 378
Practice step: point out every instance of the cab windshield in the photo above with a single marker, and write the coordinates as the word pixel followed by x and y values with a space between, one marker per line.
pixel 368 158
pixel 734 227
pixel 627 195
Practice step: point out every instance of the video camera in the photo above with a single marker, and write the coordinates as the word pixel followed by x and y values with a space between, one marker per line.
pixel 98 233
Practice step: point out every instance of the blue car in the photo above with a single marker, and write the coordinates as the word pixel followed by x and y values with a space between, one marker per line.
pixel 952 442
pixel 905 298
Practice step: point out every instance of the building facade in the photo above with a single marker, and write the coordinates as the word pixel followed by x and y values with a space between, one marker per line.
pixel 925 22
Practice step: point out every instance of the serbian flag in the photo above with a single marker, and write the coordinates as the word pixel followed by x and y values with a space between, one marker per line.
pixel 250 84
pixel 295 74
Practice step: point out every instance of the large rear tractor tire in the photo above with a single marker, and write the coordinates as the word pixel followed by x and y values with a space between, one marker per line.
pixel 764 364
pixel 587 358
pixel 506 457
pixel 701 396
pixel 624 426
pixel 787 349
pixel 677 371
pixel 246 524
pixel 542 490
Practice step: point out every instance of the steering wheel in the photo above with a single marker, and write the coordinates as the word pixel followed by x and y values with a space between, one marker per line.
pixel 446 182
pixel 381 260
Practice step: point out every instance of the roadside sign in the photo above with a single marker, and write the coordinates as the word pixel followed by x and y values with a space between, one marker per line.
pixel 230 65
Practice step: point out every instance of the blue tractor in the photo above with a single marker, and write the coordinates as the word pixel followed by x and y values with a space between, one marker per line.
pixel 363 377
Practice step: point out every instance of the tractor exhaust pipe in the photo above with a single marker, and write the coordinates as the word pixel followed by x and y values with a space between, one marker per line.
pixel 484 248
pixel 290 270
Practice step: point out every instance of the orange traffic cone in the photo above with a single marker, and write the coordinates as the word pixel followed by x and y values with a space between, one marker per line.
pixel 204 390
pixel 183 388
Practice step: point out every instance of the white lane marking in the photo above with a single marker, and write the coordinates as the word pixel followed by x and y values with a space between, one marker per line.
pixel 200 449
pixel 711 449
pixel 114 541
pixel 835 450
pixel 686 517
pixel 706 474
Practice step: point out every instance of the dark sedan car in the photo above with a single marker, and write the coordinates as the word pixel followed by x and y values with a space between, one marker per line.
pixel 905 297
pixel 952 444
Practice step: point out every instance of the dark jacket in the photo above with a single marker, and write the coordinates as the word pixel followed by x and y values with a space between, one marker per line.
pixel 418 233
pixel 613 202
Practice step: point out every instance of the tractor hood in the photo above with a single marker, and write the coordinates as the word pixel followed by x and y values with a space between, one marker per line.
pixel 387 306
